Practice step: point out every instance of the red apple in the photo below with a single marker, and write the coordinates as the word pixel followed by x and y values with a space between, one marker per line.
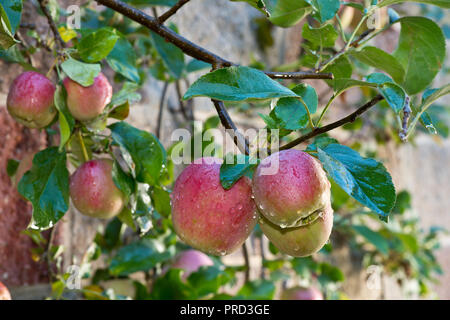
pixel 87 103
pixel 190 261
pixel 31 100
pixel 208 217
pixel 4 292
pixel 93 191
pixel 298 188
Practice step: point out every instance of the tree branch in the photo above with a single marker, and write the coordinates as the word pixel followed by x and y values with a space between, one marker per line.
pixel 51 23
pixel 190 48
pixel 172 11
pixel 185 45
pixel 226 121
pixel 350 118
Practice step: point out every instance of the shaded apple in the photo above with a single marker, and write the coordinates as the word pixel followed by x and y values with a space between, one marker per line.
pixel 87 103
pixel 30 100
pixel 208 217
pixel 302 293
pixel 299 187
pixel 190 261
pixel 4 292
pixel 93 191
pixel 304 240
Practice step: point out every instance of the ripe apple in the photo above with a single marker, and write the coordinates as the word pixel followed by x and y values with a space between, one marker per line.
pixel 300 241
pixel 93 191
pixel 30 100
pixel 208 217
pixel 87 103
pixel 296 190
pixel 4 292
pixel 190 261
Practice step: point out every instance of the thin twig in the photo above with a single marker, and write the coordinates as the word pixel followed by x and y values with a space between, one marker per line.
pixel 226 121
pixel 161 107
pixel 246 261
pixel 48 257
pixel 181 103
pixel 51 23
pixel 353 44
pixel 166 15
pixel 406 114
pixel 350 118
pixel 168 34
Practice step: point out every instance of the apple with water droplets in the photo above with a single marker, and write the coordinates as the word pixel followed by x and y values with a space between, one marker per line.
pixel 93 191
pixel 304 240
pixel 208 217
pixel 297 187
pixel 30 100
pixel 87 103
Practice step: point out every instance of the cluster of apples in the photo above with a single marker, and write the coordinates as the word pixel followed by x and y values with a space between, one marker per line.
pixel 31 102
pixel 294 205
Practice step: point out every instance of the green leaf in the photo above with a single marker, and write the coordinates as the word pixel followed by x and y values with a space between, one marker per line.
pixel 83 73
pixel 231 173
pixel 11 167
pixel 321 142
pixel 382 60
pixel 237 84
pixel 161 201
pixel 324 9
pixel 374 238
pixel 208 280
pixel 141 255
pixel 340 68
pixel 126 94
pixel 96 45
pixel 440 3
pixel 144 148
pixel 292 112
pixel 46 186
pixel 122 59
pixel 395 95
pixel 343 84
pixel 330 273
pixel 286 13
pixel 171 55
pixel 366 180
pixel 257 290
pixel 11 11
pixel 66 121
pixel 433 95
pixel 323 37
pixel 172 287
pixel 123 180
pixel 197 65
pixel 10 15
pixel 421 52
